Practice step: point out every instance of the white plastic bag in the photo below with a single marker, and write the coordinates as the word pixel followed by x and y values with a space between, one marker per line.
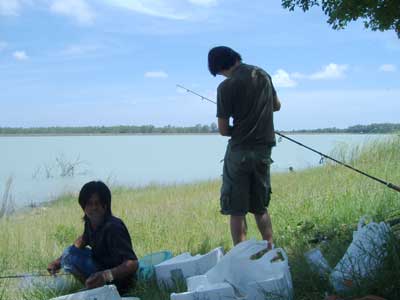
pixel 317 262
pixel 107 292
pixel 250 276
pixel 235 259
pixel 185 265
pixel 220 291
pixel 363 256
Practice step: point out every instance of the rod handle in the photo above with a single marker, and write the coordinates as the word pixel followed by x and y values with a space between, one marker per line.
pixel 395 187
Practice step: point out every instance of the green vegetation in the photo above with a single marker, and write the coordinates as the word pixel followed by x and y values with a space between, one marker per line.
pixel 322 202
pixel 123 129
pixel 364 129
pixel 212 128
pixel 377 15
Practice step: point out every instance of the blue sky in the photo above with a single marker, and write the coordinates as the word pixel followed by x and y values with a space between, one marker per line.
pixel 112 62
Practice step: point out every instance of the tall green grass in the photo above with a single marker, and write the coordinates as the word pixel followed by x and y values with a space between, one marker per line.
pixel 3 283
pixel 306 205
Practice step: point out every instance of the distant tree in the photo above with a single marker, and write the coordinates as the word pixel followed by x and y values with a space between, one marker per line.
pixel 377 14
pixel 214 127
pixel 198 128
pixel 205 129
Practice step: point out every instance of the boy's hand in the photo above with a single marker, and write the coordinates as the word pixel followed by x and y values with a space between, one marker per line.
pixel 54 267
pixel 95 280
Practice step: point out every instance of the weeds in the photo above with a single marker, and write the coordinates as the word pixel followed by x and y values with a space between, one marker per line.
pixel 62 167
pixel 7 202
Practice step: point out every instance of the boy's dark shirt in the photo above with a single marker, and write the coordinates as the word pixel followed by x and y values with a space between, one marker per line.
pixel 248 97
pixel 111 245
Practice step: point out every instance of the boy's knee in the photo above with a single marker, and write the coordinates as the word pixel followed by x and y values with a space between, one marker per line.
pixel 69 250
pixel 69 259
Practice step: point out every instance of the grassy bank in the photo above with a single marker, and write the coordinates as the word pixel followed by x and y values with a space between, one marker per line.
pixel 326 201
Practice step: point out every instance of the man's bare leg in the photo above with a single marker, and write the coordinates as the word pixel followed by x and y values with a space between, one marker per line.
pixel 265 227
pixel 238 229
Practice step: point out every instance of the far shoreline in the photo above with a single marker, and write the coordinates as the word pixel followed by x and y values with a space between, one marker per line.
pixel 175 134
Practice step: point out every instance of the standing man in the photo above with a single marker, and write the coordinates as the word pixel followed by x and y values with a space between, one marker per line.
pixel 248 96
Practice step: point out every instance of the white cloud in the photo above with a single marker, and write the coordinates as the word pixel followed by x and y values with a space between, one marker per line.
pixel 156 8
pixel 331 71
pixel 77 9
pixel 9 7
pixel 282 79
pixel 20 55
pixel 387 68
pixel 297 75
pixel 156 74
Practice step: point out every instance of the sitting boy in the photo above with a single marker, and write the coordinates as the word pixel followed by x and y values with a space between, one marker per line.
pixel 110 258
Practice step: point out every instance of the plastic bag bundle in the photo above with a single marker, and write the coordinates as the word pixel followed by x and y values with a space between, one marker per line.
pixel 364 255
pixel 185 265
pixel 248 271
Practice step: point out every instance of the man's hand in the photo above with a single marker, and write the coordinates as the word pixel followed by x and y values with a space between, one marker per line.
pixel 224 128
pixel 95 280
pixel 54 266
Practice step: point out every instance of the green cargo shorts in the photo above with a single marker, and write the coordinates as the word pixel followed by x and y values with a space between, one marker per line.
pixel 246 181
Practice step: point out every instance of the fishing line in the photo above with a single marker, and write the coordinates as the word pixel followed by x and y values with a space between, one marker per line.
pixel 388 184
pixel 33 275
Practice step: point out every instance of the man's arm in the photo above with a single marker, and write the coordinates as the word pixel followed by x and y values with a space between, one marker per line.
pixel 124 270
pixel 224 128
pixel 80 243
pixel 119 241
pixel 277 103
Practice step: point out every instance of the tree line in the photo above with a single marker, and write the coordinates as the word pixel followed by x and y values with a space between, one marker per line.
pixel 121 129
pixel 363 129
pixel 169 129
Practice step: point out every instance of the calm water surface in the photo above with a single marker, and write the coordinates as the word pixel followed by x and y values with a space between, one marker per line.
pixel 37 164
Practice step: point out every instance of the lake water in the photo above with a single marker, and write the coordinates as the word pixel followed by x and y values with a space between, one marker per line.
pixel 36 164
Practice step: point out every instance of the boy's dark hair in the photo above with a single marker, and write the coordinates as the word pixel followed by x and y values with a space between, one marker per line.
pixel 222 58
pixel 99 188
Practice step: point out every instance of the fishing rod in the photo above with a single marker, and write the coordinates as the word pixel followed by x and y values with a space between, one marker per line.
pixel 388 184
pixel 33 275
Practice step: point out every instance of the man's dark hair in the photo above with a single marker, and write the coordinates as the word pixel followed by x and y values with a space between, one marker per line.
pixel 102 191
pixel 222 58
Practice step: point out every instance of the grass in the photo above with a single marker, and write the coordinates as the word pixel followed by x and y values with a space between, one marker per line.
pixel 324 202
pixel 7 203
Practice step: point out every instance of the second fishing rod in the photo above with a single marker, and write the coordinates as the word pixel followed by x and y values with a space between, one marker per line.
pixel 386 183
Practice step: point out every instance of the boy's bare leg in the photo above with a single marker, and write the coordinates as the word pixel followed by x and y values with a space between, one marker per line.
pixel 265 227
pixel 238 229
